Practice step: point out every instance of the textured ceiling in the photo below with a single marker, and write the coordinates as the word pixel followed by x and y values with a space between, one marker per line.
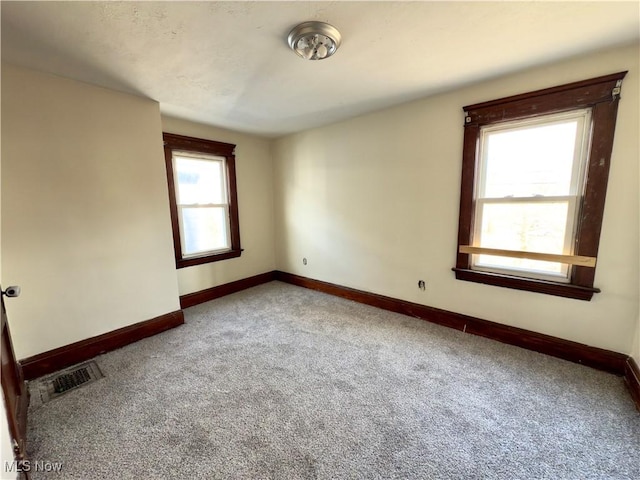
pixel 228 63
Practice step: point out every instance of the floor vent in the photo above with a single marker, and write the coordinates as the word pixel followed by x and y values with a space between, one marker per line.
pixel 66 380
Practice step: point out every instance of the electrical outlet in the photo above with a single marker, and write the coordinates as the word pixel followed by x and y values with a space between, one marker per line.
pixel 421 285
pixel 304 261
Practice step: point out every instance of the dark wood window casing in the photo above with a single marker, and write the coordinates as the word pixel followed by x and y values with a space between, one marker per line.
pixel 197 145
pixel 601 95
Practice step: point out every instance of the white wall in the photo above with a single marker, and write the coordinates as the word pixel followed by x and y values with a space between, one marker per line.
pixel 86 229
pixel 254 172
pixel 372 203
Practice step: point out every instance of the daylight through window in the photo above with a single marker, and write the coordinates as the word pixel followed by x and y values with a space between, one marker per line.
pixel 201 176
pixel 203 209
pixel 534 178
pixel 531 178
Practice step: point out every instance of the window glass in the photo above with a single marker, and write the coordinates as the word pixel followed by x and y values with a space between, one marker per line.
pixel 524 226
pixel 203 199
pixel 528 161
pixel 202 203
pixel 204 230
pixel 200 180
pixel 527 190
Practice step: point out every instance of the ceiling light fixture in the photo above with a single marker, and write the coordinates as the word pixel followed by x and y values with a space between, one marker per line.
pixel 314 40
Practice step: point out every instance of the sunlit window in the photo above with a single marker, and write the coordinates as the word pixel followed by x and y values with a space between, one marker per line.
pixel 202 191
pixel 202 202
pixel 534 179
pixel 531 177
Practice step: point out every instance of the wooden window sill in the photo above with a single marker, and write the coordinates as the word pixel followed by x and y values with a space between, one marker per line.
pixel 190 262
pixel 566 290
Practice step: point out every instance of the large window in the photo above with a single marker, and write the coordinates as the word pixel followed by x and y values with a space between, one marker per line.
pixel 534 179
pixel 202 192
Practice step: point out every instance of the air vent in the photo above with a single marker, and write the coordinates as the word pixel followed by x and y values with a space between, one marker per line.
pixel 66 380
pixel 71 380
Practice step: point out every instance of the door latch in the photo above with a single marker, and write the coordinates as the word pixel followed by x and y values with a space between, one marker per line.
pixel 12 291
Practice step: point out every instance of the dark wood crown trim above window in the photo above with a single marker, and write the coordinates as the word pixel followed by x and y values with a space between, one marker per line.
pixel 570 96
pixel 197 145
pixel 601 95
pixel 191 144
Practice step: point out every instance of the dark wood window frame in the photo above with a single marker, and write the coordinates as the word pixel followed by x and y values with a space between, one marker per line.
pixel 197 145
pixel 601 95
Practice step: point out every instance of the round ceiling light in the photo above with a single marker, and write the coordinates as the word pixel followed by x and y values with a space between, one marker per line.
pixel 314 40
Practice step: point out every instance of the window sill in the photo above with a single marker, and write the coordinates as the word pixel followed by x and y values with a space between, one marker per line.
pixel 190 262
pixel 529 284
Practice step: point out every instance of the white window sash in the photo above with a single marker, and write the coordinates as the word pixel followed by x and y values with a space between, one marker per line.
pixel 204 252
pixel 205 157
pixel 576 188
pixel 570 228
pixel 181 206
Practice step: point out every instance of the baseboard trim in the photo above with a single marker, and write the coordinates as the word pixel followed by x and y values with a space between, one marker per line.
pixel 191 299
pixel 594 357
pixel 62 357
pixel 632 380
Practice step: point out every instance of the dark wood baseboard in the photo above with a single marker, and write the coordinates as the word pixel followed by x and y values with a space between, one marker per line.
pixel 191 299
pixel 62 357
pixel 632 380
pixel 599 358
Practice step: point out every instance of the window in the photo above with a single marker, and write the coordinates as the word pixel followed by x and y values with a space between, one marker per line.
pixel 534 179
pixel 527 190
pixel 203 199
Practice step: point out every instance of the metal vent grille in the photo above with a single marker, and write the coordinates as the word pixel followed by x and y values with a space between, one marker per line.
pixel 69 379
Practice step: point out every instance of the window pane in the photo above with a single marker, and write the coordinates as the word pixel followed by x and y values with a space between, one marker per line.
pixel 522 264
pixel 200 182
pixel 204 230
pixel 524 226
pixel 531 160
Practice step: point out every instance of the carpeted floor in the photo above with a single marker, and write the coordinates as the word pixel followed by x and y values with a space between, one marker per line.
pixel 280 382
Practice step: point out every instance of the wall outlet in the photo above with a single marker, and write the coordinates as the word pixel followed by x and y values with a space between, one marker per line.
pixel 421 285
pixel 304 261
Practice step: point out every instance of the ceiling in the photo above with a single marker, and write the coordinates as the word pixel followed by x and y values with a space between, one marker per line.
pixel 228 63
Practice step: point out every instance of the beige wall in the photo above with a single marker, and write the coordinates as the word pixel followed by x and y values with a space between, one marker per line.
pixel 85 212
pixel 254 171
pixel 372 203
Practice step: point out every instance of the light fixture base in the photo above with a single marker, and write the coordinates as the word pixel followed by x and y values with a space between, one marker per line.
pixel 314 40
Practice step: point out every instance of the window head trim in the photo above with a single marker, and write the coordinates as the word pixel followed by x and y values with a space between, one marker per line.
pixel 601 96
pixel 182 144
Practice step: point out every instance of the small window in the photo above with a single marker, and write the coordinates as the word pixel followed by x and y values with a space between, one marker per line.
pixel 534 178
pixel 202 192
